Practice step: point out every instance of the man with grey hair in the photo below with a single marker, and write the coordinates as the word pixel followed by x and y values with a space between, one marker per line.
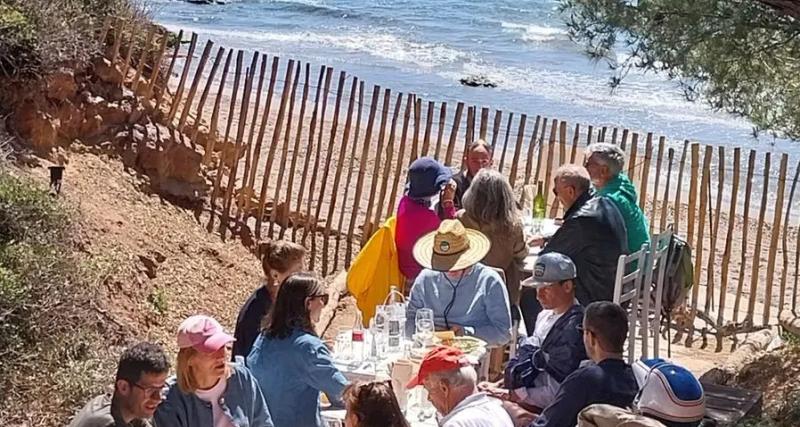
pixel 451 383
pixel 592 235
pixel 605 162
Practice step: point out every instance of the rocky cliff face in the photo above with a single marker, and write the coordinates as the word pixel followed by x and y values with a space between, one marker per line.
pixel 92 106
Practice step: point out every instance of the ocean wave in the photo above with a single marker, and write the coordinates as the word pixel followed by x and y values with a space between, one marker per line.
pixel 535 33
pixel 311 7
pixel 577 89
pixel 370 41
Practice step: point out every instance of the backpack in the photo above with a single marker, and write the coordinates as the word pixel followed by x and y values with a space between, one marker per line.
pixel 678 280
pixel 678 276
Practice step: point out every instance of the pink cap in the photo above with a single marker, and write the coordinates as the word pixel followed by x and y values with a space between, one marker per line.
pixel 203 333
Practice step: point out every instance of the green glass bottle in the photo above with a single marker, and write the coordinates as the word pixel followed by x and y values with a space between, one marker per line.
pixel 539 204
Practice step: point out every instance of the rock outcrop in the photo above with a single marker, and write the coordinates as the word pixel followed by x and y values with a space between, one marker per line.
pixel 93 107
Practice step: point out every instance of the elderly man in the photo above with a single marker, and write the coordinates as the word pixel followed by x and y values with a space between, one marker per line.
pixel 593 234
pixel 478 156
pixel 608 380
pixel 556 348
pixel 466 296
pixel 605 163
pixel 141 375
pixel 450 381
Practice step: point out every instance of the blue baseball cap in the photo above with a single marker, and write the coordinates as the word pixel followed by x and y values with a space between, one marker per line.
pixel 426 177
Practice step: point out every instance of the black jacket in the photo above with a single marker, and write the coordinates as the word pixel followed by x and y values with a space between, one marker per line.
pixel 248 323
pixel 560 354
pixel 593 236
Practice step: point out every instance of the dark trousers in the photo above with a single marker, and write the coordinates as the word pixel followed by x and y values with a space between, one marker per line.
pixel 530 308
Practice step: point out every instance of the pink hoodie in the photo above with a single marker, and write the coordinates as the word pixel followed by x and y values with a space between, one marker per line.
pixel 414 221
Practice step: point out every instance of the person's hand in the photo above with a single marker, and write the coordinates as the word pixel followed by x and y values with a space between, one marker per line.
pixel 536 241
pixel 521 416
pixel 449 191
pixel 458 330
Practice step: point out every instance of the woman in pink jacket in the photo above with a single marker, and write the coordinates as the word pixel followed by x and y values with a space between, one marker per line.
pixel 429 183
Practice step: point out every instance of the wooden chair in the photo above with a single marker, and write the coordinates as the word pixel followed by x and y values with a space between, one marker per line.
pixel 627 287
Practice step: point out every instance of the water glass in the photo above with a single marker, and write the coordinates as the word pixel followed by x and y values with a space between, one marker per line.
pixel 424 322
pixel 341 348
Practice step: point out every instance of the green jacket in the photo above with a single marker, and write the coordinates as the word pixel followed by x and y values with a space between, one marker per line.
pixel 622 192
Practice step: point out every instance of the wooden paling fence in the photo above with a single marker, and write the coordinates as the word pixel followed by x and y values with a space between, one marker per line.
pixel 318 156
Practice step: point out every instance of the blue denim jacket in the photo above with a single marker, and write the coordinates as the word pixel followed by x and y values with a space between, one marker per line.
pixel 291 372
pixel 242 402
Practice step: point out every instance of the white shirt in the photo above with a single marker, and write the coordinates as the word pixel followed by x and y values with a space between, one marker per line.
pixel 478 410
pixel 213 396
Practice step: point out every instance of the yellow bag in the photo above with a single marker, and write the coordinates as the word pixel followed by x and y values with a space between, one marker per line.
pixel 374 270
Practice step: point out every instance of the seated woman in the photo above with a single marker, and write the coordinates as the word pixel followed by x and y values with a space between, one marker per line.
pixel 279 259
pixel 292 365
pixel 466 296
pixel 489 207
pixel 416 212
pixel 208 391
pixel 372 404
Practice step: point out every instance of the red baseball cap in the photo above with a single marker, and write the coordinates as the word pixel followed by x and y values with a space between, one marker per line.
pixel 203 333
pixel 439 359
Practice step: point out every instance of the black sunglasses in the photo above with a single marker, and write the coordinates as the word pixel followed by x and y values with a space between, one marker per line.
pixel 325 298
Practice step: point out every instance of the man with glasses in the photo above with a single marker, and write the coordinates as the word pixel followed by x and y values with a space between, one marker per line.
pixel 593 236
pixel 141 376
pixel 556 347
pixel 478 156
pixel 604 162
pixel 607 380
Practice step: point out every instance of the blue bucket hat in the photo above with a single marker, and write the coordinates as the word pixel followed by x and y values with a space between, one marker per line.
pixel 426 177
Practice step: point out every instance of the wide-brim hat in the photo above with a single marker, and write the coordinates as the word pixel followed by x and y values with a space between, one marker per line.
pixel 451 248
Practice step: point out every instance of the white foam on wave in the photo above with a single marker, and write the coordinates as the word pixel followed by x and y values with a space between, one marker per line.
pixel 636 94
pixel 535 33
pixel 380 44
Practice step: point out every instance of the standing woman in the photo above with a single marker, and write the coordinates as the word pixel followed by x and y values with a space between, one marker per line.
pixel 290 362
pixel 490 208
pixel 372 404
pixel 279 259
pixel 208 391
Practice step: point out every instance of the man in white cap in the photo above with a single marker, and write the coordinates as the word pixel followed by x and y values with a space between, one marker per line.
pixel 465 296
pixel 556 347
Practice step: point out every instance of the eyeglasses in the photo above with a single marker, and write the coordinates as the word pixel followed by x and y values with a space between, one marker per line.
pixel 325 298
pixel 581 329
pixel 154 391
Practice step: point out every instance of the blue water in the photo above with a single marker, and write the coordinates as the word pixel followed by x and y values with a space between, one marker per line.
pixel 424 47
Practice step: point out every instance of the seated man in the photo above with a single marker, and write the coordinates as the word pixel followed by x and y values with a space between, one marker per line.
pixel 593 235
pixel 141 375
pixel 450 381
pixel 604 162
pixel 608 380
pixel 478 156
pixel 465 296
pixel 556 347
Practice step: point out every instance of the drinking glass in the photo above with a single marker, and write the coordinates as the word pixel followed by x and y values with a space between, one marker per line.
pixel 424 322
pixel 341 347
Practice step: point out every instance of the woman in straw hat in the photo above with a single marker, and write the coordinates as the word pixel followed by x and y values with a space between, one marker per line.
pixel 466 296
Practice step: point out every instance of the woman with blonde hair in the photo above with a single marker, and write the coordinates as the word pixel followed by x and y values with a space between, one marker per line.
pixel 208 391
pixel 279 259
pixel 289 361
pixel 490 208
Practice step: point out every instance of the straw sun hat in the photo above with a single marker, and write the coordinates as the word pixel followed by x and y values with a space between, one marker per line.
pixel 451 248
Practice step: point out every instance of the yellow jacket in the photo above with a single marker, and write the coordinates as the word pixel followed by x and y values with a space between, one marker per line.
pixel 374 270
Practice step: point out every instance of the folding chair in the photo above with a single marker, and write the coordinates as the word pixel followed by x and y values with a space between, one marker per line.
pixel 654 289
pixel 630 273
